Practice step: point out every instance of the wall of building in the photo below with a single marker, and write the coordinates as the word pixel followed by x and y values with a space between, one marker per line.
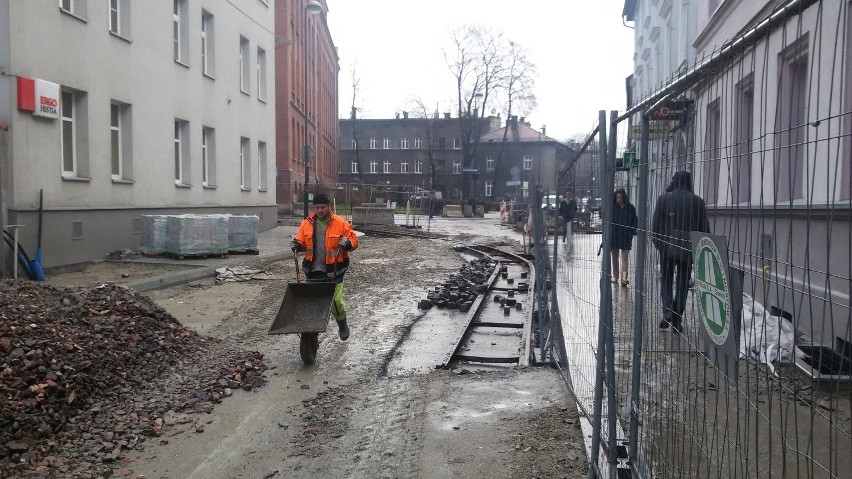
pixel 138 69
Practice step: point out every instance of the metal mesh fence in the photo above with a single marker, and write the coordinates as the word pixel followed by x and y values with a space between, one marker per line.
pixel 703 370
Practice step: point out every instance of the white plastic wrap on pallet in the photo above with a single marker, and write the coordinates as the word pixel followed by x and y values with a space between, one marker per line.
pixel 242 232
pixel 153 234
pixel 197 234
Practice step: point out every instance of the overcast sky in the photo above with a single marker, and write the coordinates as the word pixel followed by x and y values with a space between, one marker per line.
pixel 581 49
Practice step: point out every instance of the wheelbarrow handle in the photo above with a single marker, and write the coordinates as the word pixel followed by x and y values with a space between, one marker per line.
pixel 336 257
pixel 296 261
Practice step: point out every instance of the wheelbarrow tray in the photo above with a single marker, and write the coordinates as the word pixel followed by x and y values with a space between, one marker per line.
pixel 304 309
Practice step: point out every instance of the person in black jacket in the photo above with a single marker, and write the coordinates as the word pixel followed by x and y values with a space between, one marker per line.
pixel 567 211
pixel 677 212
pixel 624 222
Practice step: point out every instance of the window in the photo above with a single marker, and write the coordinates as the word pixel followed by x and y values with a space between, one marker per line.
pixel 387 168
pixel 74 7
pixel 245 164
pixel 354 167
pixel 74 134
pixel 442 143
pixel 207 44
pixel 528 162
pixel 489 189
pixel 374 166
pixel 713 152
pixel 245 74
pixel 386 144
pixel 354 145
pixel 261 166
pixel 743 130
pixel 417 143
pixel 120 140
pixel 790 121
pixel 403 167
pixel 489 164
pixel 119 18
pixel 208 157
pixel 457 143
pixel 525 189
pixel 403 143
pixel 456 192
pixel 261 74
pixel 372 143
pixel 181 43
pixel 181 152
pixel 418 167
pixel 456 167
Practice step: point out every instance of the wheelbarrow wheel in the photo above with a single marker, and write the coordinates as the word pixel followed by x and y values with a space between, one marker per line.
pixel 308 347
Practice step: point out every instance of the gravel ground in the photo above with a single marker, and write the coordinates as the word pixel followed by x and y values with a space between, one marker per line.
pixel 343 416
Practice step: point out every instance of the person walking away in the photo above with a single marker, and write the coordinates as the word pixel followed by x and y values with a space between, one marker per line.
pixel 677 212
pixel 327 240
pixel 624 222
pixel 567 211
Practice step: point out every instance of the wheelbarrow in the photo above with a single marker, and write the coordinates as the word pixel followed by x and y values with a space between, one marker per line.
pixel 304 311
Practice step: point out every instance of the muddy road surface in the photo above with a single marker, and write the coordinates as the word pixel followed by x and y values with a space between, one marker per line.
pixel 344 416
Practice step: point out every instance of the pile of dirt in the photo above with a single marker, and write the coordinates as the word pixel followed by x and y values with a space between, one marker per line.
pixel 86 375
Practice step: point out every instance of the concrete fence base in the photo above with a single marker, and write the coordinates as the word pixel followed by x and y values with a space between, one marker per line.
pixel 372 215
pixel 453 211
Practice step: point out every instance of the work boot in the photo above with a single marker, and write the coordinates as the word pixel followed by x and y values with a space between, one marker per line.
pixel 667 319
pixel 676 326
pixel 624 280
pixel 343 329
pixel 613 279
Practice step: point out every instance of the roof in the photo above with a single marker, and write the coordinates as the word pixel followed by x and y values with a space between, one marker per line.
pixel 518 132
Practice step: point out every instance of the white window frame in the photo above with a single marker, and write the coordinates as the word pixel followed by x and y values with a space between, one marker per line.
pixel 115 133
pixel 386 143
pixel 181 155
pixel 456 167
pixel 489 164
pixel 261 166
pixel 69 121
pixel 418 142
pixel 457 143
pixel 75 8
pixel 208 44
pixel 245 73
pixel 528 162
pixel 261 74
pixel 354 145
pixel 354 167
pixel 374 166
pixel 115 16
pixel 403 167
pixel 418 167
pixel 387 166
pixel 206 153
pixel 245 162
pixel 403 143
pixel 180 31
pixel 372 143
pixel 489 189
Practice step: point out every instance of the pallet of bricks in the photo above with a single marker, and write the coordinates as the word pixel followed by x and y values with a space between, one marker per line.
pixel 199 236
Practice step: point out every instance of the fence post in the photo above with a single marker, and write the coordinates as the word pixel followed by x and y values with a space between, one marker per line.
pixel 606 197
pixel 642 184
pixel 606 301
pixel 540 235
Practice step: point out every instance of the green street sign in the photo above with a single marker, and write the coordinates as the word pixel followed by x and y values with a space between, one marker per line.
pixel 630 159
pixel 711 286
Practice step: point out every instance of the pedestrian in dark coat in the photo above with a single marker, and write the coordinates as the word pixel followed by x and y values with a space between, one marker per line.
pixel 567 211
pixel 678 212
pixel 624 222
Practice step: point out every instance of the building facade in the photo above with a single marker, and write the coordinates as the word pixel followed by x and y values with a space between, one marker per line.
pixel 117 109
pixel 306 105
pixel 427 153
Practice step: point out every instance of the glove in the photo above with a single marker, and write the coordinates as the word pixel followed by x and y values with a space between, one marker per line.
pixel 345 243
pixel 295 245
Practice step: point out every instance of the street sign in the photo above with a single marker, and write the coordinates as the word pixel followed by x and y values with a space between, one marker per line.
pixel 718 293
pixel 513 183
pixel 655 132
pixel 307 153
pixel 471 170
pixel 671 111
pixel 630 159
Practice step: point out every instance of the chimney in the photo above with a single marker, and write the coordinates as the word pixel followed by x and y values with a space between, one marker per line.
pixel 405 115
pixel 522 120
pixel 397 115
pixel 435 116
pixel 446 114
pixel 511 120
pixel 353 112
pixel 544 129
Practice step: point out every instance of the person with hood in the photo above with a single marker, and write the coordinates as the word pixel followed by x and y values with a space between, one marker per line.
pixel 624 222
pixel 567 211
pixel 678 212
pixel 327 240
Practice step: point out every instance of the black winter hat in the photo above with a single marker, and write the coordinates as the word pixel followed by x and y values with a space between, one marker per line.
pixel 321 199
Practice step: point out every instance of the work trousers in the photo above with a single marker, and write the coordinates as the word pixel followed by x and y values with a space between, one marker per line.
pixel 338 308
pixel 675 303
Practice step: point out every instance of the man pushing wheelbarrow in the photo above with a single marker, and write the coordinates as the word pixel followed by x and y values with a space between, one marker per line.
pixel 327 240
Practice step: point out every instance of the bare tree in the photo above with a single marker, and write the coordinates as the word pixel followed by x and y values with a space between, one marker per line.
pixel 518 83
pixel 353 112
pixel 423 112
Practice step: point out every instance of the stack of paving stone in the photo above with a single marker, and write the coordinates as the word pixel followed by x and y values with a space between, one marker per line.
pixel 461 289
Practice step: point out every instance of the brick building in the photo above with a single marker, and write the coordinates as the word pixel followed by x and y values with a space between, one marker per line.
pixel 294 97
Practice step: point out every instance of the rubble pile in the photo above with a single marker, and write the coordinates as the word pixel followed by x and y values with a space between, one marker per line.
pixel 461 289
pixel 85 375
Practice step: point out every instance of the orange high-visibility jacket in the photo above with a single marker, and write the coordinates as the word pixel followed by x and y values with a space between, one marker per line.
pixel 337 227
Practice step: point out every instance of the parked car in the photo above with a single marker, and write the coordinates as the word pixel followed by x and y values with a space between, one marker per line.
pixel 550 202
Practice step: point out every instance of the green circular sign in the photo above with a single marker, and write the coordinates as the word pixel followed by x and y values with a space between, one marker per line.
pixel 711 284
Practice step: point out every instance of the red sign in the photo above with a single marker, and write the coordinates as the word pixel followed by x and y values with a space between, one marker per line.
pixel 26 94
